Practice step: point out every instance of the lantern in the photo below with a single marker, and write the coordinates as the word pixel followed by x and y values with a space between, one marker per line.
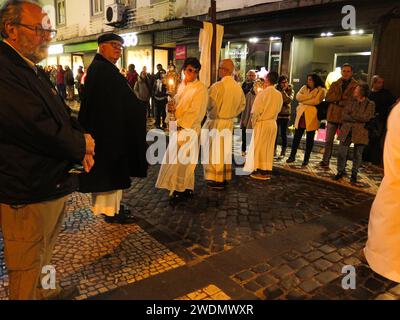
pixel 258 86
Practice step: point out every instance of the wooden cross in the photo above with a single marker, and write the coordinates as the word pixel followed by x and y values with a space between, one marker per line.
pixel 213 16
pixel 199 24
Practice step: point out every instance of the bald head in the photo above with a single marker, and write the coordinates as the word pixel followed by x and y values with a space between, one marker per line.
pixel 226 68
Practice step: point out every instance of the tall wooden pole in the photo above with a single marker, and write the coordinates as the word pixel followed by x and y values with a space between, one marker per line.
pixel 213 16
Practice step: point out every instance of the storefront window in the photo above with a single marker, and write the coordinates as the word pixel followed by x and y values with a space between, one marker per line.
pixel 324 55
pixel 160 57
pixel 140 57
pixel 65 60
pixel 254 54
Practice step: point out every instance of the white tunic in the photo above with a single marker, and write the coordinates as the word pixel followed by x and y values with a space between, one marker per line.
pixel 265 111
pixel 226 102
pixel 191 106
pixel 107 203
pixel 383 247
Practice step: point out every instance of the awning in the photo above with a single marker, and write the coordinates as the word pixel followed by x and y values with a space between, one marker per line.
pixel 81 47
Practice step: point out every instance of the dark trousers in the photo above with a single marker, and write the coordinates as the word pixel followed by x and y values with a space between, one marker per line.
pixel 373 152
pixel 331 130
pixel 282 132
pixel 309 143
pixel 357 156
pixel 244 140
pixel 160 110
pixel 150 112
pixel 62 90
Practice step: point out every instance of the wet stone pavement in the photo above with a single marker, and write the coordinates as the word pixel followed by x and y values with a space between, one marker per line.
pixel 284 239
pixel 215 221
pixel 314 271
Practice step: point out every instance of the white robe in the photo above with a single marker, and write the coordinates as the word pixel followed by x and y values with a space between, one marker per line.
pixel 383 247
pixel 107 203
pixel 226 102
pixel 265 112
pixel 191 106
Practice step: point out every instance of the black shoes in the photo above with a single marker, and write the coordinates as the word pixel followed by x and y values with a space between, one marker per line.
pixel 290 160
pixel 178 197
pixel 338 177
pixel 188 194
pixel 353 179
pixel 123 217
pixel 216 185
pixel 323 164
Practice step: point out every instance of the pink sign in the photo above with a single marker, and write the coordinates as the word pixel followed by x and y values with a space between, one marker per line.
pixel 180 53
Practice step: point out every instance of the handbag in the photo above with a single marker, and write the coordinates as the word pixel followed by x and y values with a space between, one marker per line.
pixel 322 109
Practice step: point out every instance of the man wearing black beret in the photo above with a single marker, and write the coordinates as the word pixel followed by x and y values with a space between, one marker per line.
pixel 111 112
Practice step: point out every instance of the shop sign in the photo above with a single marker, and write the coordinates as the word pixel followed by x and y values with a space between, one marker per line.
pixel 238 53
pixel 130 39
pixel 180 53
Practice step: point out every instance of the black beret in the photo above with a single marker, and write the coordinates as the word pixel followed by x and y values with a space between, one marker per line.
pixel 110 37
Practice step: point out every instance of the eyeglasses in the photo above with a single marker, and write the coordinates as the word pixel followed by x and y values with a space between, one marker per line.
pixel 40 31
pixel 115 45
pixel 191 70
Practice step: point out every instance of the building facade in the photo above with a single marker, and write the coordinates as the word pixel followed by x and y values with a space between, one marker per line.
pixel 293 37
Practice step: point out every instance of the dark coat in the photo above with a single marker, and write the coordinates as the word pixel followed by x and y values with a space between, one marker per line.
pixel 247 86
pixel 384 101
pixel 39 141
pixel 355 117
pixel 338 99
pixel 112 114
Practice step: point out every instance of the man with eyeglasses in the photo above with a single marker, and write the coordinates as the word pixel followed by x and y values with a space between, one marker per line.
pixel 113 115
pixel 39 145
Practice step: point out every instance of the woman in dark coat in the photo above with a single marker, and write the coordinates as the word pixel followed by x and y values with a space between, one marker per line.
pixel 111 112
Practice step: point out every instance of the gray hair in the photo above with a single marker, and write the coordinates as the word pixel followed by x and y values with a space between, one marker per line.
pixel 10 12
pixel 375 78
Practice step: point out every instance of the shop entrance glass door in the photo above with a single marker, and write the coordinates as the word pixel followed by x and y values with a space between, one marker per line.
pixel 160 57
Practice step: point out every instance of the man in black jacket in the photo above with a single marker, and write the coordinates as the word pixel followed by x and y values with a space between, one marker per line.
pixel 39 144
pixel 160 97
pixel 112 113
pixel 384 101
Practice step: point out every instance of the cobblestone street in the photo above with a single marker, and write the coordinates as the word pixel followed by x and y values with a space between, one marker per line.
pixel 285 239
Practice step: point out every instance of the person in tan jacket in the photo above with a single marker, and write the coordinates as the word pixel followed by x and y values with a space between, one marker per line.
pixel 356 114
pixel 309 97
pixel 338 95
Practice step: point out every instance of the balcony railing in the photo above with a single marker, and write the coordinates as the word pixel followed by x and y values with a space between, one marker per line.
pixel 161 11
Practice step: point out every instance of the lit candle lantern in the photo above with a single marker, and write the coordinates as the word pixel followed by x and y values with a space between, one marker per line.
pixel 258 86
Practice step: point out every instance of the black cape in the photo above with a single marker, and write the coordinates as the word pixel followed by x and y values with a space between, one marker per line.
pixel 113 115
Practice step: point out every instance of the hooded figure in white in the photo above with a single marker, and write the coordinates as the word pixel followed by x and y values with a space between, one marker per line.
pixel 383 247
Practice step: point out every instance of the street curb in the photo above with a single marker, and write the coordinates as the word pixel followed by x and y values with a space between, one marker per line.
pixel 331 182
